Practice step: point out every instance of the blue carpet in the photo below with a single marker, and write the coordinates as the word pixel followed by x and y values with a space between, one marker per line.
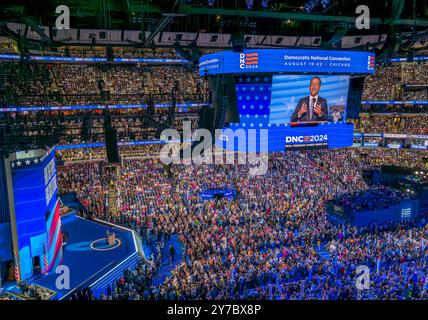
pixel 83 262
pixel 322 251
pixel 165 269
pixel 147 248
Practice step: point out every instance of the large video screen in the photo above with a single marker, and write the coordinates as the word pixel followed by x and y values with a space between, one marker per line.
pixel 287 112
pixel 308 99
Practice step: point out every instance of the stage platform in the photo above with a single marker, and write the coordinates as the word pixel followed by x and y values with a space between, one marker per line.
pixel 90 261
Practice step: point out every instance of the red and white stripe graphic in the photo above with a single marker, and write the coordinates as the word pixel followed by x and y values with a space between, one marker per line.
pixel 251 58
pixel 17 274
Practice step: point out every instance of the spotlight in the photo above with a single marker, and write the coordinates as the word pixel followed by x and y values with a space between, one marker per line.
pixel 265 3
pixel 325 3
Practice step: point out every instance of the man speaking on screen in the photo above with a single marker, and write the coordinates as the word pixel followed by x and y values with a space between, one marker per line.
pixel 312 107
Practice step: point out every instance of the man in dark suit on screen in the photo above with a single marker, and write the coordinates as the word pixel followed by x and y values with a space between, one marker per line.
pixel 312 107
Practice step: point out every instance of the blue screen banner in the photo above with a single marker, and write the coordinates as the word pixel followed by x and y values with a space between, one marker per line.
pixel 365 102
pixel 97 107
pixel 287 60
pixel 94 59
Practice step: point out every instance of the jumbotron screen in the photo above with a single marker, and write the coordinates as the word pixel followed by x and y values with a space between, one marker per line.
pixel 304 99
pixel 285 111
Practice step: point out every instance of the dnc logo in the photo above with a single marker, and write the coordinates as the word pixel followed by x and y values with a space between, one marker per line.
pixel 248 60
pixel 370 62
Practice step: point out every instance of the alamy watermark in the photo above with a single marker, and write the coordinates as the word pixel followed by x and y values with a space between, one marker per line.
pixel 62 282
pixel 62 22
pixel 202 152
pixel 363 20
pixel 362 282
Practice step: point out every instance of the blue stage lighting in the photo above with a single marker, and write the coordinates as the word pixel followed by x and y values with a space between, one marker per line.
pixel 310 5
pixel 325 3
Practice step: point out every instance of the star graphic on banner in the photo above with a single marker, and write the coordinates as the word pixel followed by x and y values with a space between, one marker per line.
pixel 257 97
pixel 248 115
pixel 27 162
pixel 257 79
pixel 265 97
pixel 261 106
pixel 252 88
pixel 277 124
pixel 13 165
pixel 265 116
pixel 260 124
pixel 248 97
pixel 261 88
pixel 252 124
pixel 36 160
pixel 269 125
pixel 252 107
pixel 243 124
pixel 244 106
pixel 244 89
pixel 256 116
pixel 18 163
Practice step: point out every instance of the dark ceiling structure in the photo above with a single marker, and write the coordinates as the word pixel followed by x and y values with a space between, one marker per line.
pixel 330 19
pixel 308 16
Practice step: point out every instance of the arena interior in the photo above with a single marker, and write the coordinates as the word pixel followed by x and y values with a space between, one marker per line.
pixel 101 186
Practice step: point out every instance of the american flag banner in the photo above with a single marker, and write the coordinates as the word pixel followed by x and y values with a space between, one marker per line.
pixel 17 274
pixel 45 260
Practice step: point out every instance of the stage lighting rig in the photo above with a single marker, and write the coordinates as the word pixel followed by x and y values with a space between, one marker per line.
pixel 265 4
pixel 310 6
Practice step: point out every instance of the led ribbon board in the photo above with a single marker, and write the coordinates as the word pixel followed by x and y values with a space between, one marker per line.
pixel 287 60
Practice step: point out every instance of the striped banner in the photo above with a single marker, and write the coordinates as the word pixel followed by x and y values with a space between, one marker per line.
pixel 17 274
pixel 45 260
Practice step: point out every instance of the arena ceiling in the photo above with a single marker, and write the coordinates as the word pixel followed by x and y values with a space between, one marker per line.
pixel 325 18
pixel 198 15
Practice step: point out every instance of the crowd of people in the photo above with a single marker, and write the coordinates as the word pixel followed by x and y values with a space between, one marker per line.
pixel 391 123
pixel 27 291
pixel 72 84
pixel 371 199
pixel 265 243
pixel 38 84
pixel 130 124
pixel 390 81
pixel 261 244
pixel 381 85
pixel 415 73
pixel 377 157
